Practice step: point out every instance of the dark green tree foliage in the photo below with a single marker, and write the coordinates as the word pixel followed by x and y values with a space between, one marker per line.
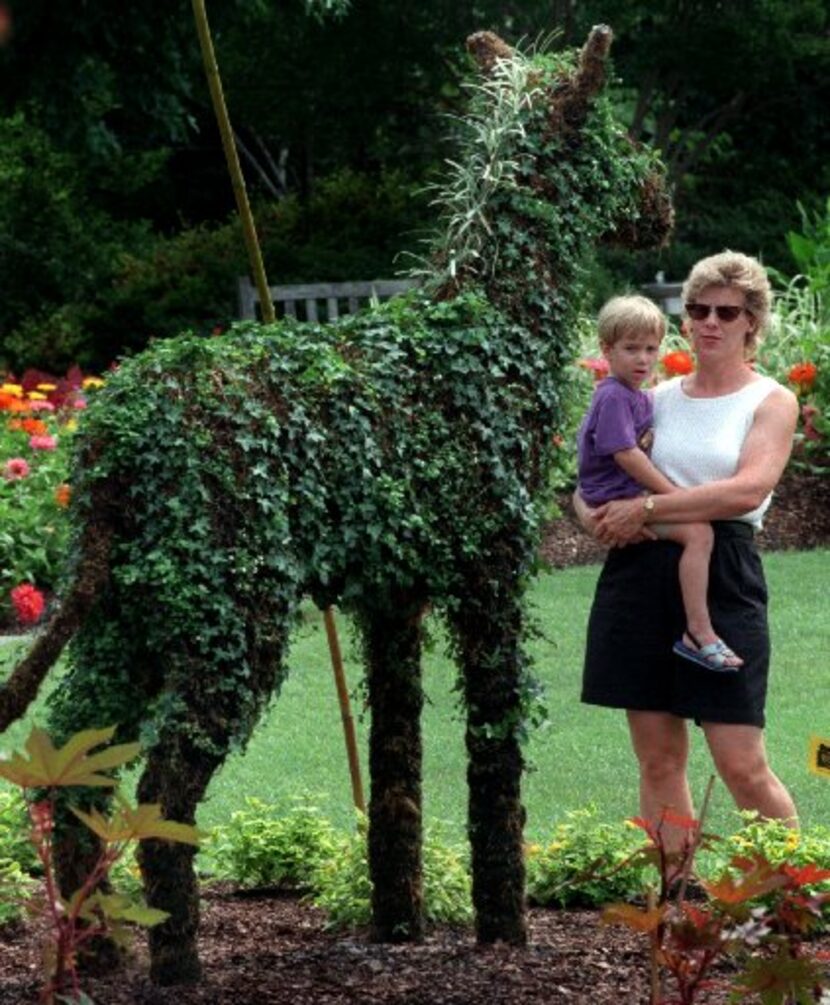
pixel 395 458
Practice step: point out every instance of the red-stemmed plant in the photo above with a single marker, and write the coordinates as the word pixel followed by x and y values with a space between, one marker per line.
pixel 756 914
pixel 90 912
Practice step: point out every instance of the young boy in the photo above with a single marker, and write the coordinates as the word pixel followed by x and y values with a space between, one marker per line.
pixel 614 441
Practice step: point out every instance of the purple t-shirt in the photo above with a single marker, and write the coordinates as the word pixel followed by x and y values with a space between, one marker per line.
pixel 619 418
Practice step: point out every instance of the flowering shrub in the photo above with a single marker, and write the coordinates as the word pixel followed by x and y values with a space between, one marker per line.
pixel 37 419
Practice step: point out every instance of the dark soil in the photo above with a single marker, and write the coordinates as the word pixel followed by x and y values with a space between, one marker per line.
pixel 269 949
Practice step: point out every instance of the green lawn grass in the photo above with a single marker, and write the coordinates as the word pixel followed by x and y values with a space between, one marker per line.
pixel 581 757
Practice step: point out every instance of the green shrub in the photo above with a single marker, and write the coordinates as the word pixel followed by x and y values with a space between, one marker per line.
pixel 56 246
pixel 266 845
pixel 585 863
pixel 343 889
pixel 15 845
pixel 352 227
pixel 773 840
pixel 16 888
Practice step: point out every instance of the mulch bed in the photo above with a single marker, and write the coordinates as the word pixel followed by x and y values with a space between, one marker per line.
pixel 271 949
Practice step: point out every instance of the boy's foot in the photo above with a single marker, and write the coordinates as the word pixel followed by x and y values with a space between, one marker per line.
pixel 714 656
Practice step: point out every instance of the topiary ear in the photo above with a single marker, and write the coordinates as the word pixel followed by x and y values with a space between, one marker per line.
pixel 486 47
pixel 589 79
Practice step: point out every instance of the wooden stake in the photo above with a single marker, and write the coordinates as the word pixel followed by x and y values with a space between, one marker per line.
pixel 268 315
pixel 345 710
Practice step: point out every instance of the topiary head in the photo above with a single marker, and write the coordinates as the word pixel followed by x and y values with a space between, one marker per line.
pixel 545 170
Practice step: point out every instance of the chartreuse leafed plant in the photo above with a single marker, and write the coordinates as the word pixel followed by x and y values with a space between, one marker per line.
pixel 759 913
pixel 89 912
pixel 266 845
pixel 585 863
pixel 343 889
pixel 296 848
pixel 399 457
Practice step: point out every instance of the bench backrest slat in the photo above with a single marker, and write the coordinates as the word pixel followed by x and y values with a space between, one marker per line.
pixel 320 301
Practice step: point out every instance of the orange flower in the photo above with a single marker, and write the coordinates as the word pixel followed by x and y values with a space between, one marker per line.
pixel 678 363
pixel 63 493
pixel 803 375
pixel 597 366
pixel 34 427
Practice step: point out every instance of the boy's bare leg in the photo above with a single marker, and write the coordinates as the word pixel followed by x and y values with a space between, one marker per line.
pixel 693 571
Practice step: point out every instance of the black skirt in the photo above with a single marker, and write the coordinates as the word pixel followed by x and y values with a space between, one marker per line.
pixel 637 616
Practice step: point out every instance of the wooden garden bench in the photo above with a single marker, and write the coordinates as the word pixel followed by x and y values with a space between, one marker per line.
pixel 320 301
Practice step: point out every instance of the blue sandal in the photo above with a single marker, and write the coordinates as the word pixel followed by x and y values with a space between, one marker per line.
pixel 713 656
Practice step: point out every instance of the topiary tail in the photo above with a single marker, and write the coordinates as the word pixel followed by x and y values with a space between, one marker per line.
pixel 20 690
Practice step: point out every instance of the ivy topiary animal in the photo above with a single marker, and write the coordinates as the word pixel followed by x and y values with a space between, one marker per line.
pixel 395 458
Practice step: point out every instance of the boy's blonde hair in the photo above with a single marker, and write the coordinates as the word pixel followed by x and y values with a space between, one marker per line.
pixel 736 271
pixel 629 315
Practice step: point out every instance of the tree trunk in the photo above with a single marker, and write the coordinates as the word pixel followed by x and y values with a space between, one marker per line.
pixel 393 651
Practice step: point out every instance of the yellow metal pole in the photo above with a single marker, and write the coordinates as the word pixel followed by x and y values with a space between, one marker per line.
pixel 268 315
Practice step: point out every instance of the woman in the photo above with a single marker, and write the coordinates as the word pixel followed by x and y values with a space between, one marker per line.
pixel 723 435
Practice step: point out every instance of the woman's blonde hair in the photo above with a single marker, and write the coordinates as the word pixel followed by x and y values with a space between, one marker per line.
pixel 629 315
pixel 736 271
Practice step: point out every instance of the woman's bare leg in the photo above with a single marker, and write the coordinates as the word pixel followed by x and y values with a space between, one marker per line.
pixel 661 745
pixel 740 757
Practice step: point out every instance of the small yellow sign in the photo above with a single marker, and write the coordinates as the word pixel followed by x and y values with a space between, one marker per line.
pixel 819 762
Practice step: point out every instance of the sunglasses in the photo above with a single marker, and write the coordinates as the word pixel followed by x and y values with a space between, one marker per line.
pixel 700 312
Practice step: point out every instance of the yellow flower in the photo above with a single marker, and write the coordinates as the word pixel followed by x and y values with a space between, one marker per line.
pixel 92 382
pixel 13 389
pixel 70 425
pixel 532 849
pixel 793 840
pixel 46 387
pixel 36 396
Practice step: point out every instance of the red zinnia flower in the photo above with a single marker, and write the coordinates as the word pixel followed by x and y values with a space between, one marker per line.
pixel 63 493
pixel 804 376
pixel 15 468
pixel 678 363
pixel 28 603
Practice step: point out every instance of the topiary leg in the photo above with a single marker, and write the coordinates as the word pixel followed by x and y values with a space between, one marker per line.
pixel 393 653
pixel 488 633
pixel 176 776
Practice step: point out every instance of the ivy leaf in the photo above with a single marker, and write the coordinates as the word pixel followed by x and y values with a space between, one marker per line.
pixel 633 917
pixel 72 764
pixel 139 824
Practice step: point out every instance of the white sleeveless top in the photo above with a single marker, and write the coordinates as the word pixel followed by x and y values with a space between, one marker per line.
pixel 699 440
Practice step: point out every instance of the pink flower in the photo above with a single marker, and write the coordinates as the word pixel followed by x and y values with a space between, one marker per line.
pixel 79 403
pixel 43 442
pixel 41 406
pixel 15 468
pixel 28 603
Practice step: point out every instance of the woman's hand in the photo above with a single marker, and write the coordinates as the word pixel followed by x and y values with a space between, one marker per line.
pixel 622 522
